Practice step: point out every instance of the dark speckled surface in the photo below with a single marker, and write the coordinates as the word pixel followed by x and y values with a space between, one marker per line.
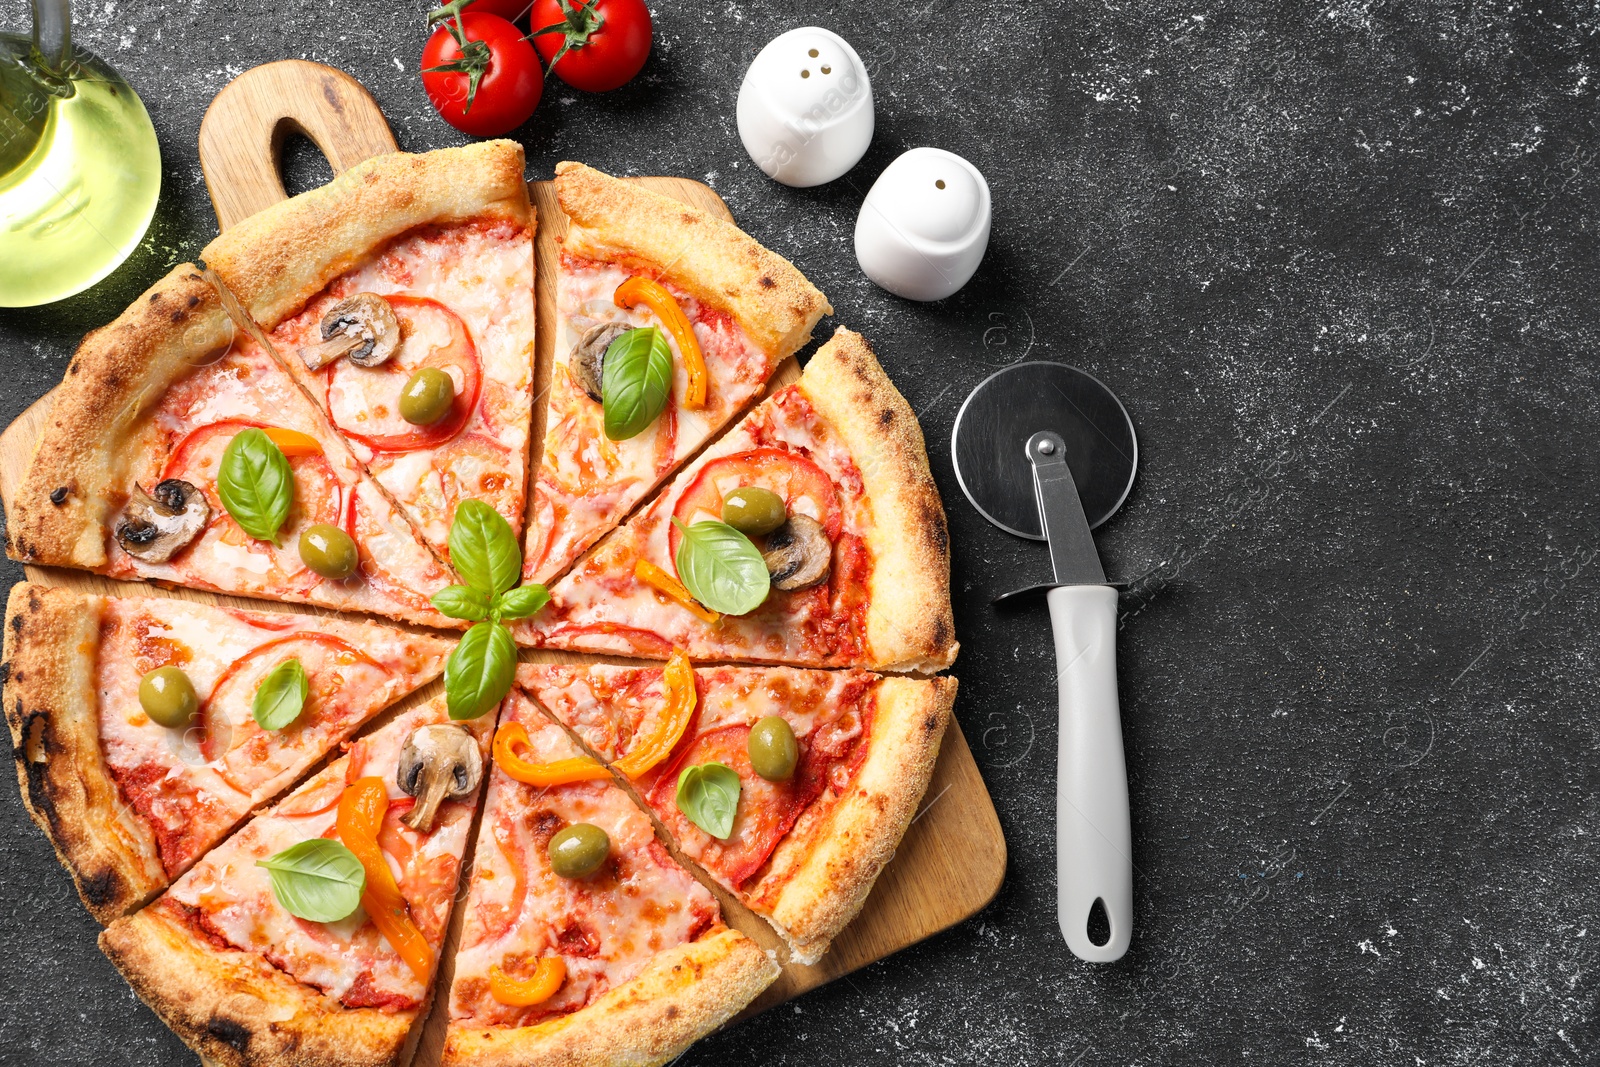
pixel 1339 263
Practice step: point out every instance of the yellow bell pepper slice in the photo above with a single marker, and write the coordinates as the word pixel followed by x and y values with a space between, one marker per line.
pixel 654 295
pixel 361 809
pixel 670 587
pixel 523 993
pixel 678 678
pixel 514 735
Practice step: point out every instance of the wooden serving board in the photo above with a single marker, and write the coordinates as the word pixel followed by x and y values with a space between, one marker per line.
pixel 952 860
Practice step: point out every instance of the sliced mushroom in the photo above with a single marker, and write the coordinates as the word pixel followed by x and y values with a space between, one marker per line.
pixel 438 761
pixel 362 327
pixel 798 554
pixel 590 352
pixel 156 527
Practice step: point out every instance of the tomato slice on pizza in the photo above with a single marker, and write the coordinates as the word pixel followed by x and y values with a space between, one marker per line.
pixel 859 569
pixel 312 935
pixel 149 727
pixel 821 772
pixel 724 310
pixel 581 933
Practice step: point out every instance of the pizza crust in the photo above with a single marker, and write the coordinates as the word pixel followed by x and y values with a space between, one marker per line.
pixel 52 637
pixel 683 994
pixel 711 259
pixel 910 625
pixel 117 374
pixel 239 1010
pixel 279 258
pixel 825 868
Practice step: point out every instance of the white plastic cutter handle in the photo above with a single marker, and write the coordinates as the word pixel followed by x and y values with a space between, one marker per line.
pixel 1094 846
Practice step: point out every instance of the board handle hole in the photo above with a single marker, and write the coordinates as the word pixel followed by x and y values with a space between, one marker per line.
pixel 301 164
pixel 1099 925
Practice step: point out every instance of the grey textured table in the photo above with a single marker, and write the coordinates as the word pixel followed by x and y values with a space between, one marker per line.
pixel 1341 265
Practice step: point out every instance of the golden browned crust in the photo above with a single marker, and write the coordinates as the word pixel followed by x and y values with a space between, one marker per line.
pixel 910 625
pixel 681 996
pixel 239 1010
pixel 279 258
pixel 714 261
pixel 52 637
pixel 63 507
pixel 825 867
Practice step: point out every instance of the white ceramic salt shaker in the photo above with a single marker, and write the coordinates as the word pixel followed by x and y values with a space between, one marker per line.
pixel 805 107
pixel 924 226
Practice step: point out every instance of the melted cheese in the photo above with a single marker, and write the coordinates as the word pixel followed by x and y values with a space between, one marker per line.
pixel 483 273
pixel 601 607
pixel 190 801
pixel 591 482
pixel 606 927
pixel 235 896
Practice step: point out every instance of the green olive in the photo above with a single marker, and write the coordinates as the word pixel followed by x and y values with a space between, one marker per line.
pixel 329 551
pixel 579 850
pixel 773 752
pixel 427 397
pixel 753 511
pixel 167 696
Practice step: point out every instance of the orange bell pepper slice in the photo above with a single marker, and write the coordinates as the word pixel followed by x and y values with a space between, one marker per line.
pixel 654 295
pixel 514 735
pixel 522 993
pixel 293 442
pixel 678 678
pixel 361 810
pixel 670 587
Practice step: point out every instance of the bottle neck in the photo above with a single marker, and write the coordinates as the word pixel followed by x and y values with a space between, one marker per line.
pixel 52 36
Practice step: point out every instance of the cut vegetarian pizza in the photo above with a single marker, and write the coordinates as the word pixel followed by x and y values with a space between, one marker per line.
pixel 177 451
pixel 312 935
pixel 146 728
pixel 583 942
pixel 792 788
pixel 400 296
pixel 668 322
pixel 810 534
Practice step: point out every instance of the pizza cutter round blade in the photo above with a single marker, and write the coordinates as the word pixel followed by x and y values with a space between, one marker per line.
pixel 1045 451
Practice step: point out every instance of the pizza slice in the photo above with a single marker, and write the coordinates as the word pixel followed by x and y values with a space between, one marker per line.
pixel 146 728
pixel 311 936
pixel 792 788
pixel 583 941
pixel 400 296
pixel 724 310
pixel 845 516
pixel 178 451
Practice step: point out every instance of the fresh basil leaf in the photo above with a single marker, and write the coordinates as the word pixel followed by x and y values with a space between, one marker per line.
pixel 522 601
pixel 281 696
pixel 256 484
pixel 635 381
pixel 708 793
pixel 462 602
pixel 317 880
pixel 483 549
pixel 721 567
pixel 478 674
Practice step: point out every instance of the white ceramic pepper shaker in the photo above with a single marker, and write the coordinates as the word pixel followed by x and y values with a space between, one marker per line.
pixel 925 225
pixel 805 107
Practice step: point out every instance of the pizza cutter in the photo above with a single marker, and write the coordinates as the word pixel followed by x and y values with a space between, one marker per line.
pixel 1045 451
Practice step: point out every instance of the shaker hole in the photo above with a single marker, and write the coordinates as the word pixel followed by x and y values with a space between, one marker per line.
pixel 827 69
pixel 805 74
pixel 939 184
pixel 812 53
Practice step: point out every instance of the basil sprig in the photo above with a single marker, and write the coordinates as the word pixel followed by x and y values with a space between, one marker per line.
pixel 721 567
pixel 281 696
pixel 635 381
pixel 484 551
pixel 256 484
pixel 319 880
pixel 708 793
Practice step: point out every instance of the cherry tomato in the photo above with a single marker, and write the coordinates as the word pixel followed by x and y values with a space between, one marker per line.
pixel 593 45
pixel 480 73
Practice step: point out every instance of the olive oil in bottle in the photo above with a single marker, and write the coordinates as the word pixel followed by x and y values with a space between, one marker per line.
pixel 79 169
